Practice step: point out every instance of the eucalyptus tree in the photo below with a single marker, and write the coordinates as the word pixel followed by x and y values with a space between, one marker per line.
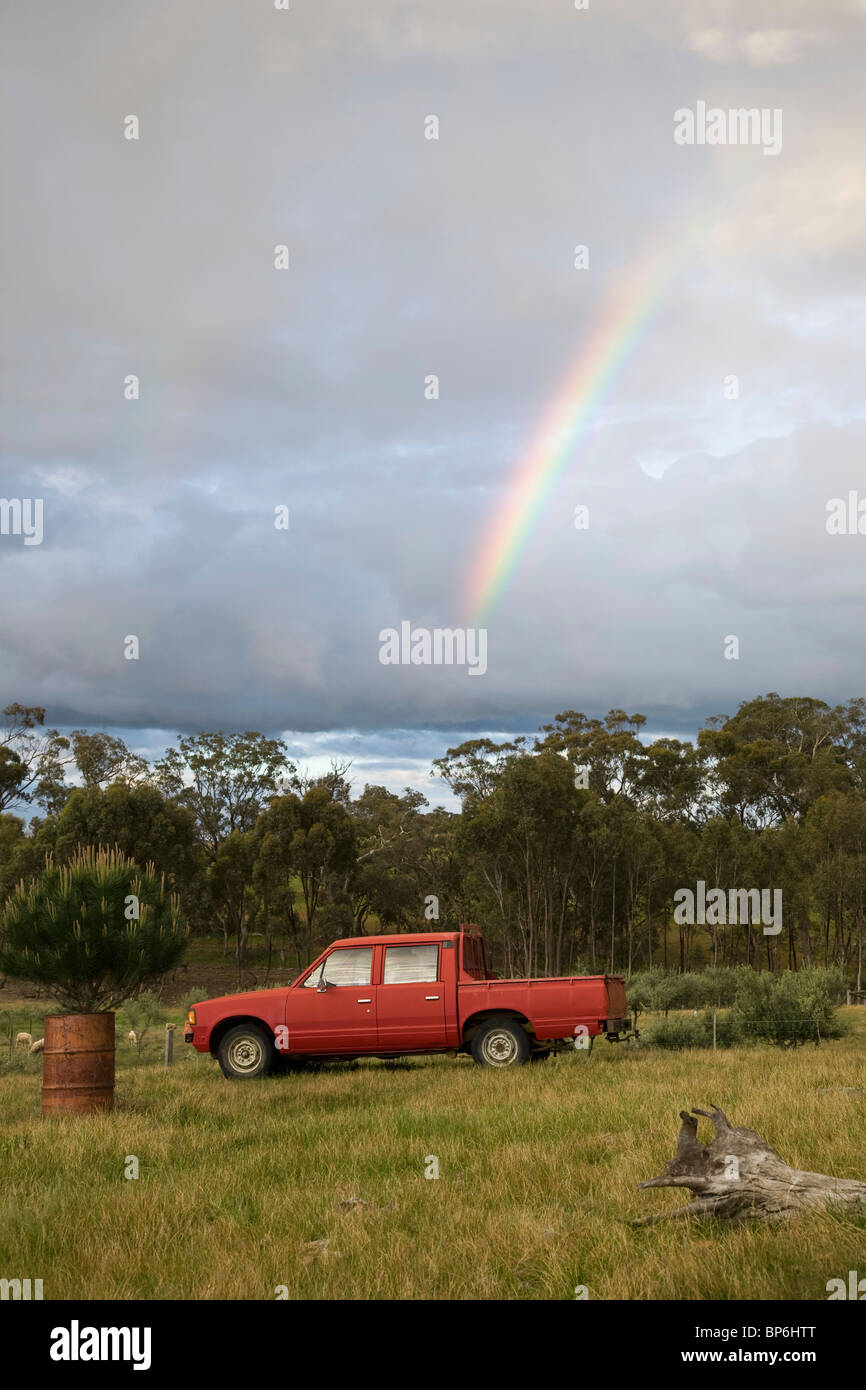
pixel 32 759
pixel 226 780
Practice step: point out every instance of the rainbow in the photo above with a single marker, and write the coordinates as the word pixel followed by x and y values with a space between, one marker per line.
pixel 617 331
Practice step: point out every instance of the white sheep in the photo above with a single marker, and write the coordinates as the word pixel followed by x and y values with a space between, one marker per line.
pixel 133 1037
pixel 25 1038
pixel 37 1046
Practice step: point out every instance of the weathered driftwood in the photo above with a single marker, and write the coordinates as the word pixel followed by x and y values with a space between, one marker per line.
pixel 740 1176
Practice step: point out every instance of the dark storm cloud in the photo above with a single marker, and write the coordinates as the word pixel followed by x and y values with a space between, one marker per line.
pixel 410 257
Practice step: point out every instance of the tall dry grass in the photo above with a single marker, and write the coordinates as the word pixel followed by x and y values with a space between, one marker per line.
pixel 241 1183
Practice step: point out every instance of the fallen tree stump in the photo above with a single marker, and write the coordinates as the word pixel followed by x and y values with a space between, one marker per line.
pixel 740 1176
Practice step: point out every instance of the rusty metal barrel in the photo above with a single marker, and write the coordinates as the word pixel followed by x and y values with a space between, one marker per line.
pixel 78 1063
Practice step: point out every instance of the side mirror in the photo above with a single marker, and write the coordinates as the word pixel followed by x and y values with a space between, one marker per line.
pixel 322 986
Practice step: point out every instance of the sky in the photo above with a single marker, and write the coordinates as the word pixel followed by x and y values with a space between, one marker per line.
pixel 696 385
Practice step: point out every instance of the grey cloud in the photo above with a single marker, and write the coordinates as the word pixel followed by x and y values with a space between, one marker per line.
pixel 411 257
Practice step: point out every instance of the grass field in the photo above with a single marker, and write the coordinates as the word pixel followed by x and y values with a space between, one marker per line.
pixel 538 1167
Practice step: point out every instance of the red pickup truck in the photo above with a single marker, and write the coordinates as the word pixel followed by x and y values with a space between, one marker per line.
pixel 384 996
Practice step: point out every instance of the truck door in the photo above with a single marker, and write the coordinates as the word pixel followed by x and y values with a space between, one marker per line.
pixel 411 999
pixel 341 1018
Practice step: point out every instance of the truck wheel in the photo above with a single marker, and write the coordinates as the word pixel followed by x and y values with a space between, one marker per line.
pixel 246 1051
pixel 500 1042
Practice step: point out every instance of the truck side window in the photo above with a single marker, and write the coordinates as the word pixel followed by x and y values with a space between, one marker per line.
pixel 407 965
pixel 348 966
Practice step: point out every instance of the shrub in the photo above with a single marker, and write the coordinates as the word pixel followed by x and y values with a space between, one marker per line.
pixel 640 989
pixel 142 1013
pixel 719 984
pixel 837 983
pixel 658 991
pixel 729 1031
pixel 12 1063
pixel 789 1008
pixel 194 995
pixel 690 1030
pixel 684 1030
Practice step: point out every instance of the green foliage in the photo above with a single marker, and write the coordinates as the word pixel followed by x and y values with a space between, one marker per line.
pixel 142 1013
pixel 641 990
pixel 103 760
pixel 394 868
pixel 673 1034
pixel 23 856
pixel 68 930
pixel 679 992
pixel 719 984
pixel 786 1008
pixel 336 920
pixel 729 1031
pixel 524 840
pixel 789 1008
pixel 776 756
pixel 659 991
pixel 693 1030
pixel 224 779
pixel 32 759
pixel 323 848
pixel 139 822
pixel 194 995
pixel 563 871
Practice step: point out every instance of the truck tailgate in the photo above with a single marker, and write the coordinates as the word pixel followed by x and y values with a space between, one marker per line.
pixel 617 1005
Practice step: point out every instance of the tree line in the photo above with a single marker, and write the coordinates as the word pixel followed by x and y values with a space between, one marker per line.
pixel 568 848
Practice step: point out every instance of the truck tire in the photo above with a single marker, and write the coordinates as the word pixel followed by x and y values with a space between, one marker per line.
pixel 500 1042
pixel 246 1051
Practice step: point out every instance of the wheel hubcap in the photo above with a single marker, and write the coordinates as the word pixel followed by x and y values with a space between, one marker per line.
pixel 499 1049
pixel 246 1054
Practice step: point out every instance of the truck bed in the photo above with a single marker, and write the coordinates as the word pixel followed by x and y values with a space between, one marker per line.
pixel 554 1006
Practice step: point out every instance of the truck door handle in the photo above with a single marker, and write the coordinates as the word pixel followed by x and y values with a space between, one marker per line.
pixel 431 996
pixel 365 1001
